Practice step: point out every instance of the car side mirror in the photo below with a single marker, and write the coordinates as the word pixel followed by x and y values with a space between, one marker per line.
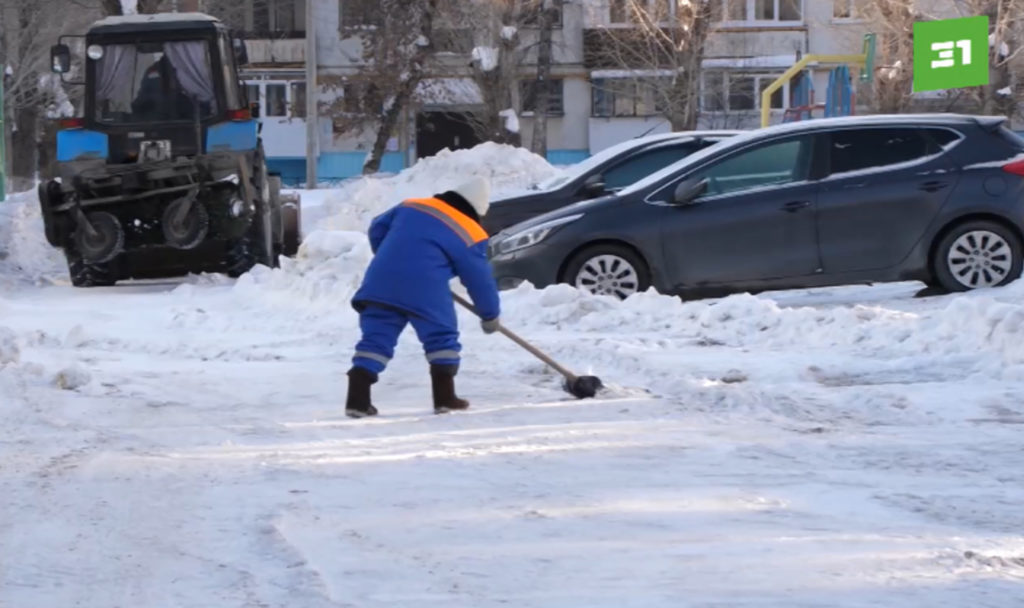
pixel 594 185
pixel 60 58
pixel 689 190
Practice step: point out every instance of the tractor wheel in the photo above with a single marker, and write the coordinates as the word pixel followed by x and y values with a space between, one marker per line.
pixel 291 212
pixel 256 246
pixel 85 274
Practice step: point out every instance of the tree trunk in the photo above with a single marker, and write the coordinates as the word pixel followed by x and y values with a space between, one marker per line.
pixel 686 88
pixel 23 148
pixel 403 93
pixel 539 143
pixel 144 7
pixel 112 7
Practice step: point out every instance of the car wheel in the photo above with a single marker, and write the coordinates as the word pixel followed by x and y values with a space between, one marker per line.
pixel 977 254
pixel 610 270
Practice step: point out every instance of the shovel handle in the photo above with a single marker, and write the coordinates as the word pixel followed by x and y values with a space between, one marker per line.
pixel 571 377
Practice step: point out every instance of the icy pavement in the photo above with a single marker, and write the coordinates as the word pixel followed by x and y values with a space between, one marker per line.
pixel 181 443
pixel 202 460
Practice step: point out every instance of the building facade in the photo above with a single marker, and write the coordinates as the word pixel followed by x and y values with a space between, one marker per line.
pixel 751 43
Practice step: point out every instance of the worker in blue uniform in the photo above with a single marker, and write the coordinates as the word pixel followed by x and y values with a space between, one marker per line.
pixel 419 245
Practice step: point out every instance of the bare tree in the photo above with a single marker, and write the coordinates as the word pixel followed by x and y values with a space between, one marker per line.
pixel 397 43
pixel 549 12
pixel 496 60
pixel 662 53
pixel 893 22
pixel 146 7
pixel 32 93
pixel 1006 33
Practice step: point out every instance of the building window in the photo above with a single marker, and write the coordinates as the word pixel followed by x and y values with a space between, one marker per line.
pixel 618 97
pixel 274 16
pixel 759 11
pixel 619 11
pixel 298 103
pixel 848 9
pixel 360 13
pixel 276 100
pixel 531 14
pixel 556 96
pixel 723 91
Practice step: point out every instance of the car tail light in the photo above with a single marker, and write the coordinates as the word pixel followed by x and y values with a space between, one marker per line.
pixel 240 114
pixel 71 123
pixel 1016 167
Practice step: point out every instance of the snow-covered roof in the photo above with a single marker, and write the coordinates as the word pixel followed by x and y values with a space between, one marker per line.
pixel 154 18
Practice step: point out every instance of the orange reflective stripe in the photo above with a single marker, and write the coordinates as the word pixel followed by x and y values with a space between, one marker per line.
pixel 464 226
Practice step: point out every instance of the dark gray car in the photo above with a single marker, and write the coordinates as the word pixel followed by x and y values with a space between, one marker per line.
pixel 936 197
pixel 604 173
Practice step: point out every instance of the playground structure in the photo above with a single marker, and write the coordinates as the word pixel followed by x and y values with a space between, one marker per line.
pixel 840 97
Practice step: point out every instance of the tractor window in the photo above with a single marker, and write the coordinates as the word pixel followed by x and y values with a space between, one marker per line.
pixel 232 94
pixel 152 82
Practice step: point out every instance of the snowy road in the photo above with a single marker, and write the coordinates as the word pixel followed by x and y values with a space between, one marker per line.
pixel 180 444
pixel 205 462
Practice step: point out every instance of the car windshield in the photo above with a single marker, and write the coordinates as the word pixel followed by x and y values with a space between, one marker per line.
pixel 154 82
pixel 583 167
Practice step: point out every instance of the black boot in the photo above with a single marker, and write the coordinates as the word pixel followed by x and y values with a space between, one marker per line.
pixel 358 405
pixel 442 379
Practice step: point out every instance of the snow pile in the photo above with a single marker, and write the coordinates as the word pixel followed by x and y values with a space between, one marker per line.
pixel 72 378
pixel 25 255
pixel 989 324
pixel 9 350
pixel 486 57
pixel 511 120
pixel 508 168
pixel 323 275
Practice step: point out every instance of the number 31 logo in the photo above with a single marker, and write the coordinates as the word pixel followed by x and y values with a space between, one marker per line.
pixel 951 53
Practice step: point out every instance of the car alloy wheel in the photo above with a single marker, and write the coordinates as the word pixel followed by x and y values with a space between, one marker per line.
pixel 608 275
pixel 979 259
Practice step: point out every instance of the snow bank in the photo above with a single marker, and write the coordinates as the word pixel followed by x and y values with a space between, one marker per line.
pixel 508 168
pixel 9 350
pixel 25 255
pixel 988 323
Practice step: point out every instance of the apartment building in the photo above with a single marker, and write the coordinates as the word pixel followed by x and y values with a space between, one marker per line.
pixel 751 43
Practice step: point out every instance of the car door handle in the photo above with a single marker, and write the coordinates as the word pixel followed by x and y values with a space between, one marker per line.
pixel 933 186
pixel 794 206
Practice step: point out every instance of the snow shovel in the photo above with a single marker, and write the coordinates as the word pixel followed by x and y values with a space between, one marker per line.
pixel 580 387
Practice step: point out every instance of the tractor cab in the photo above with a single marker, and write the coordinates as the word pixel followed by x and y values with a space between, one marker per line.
pixel 164 172
pixel 159 85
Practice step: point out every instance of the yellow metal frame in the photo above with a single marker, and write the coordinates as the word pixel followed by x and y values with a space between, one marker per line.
pixel 766 96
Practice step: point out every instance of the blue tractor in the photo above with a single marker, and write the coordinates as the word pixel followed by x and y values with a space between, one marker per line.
pixel 165 172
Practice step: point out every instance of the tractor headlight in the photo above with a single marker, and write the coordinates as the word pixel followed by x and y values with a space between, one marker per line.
pixel 531 236
pixel 237 207
pixel 94 51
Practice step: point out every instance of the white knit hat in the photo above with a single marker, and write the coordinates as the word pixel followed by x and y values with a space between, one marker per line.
pixel 477 192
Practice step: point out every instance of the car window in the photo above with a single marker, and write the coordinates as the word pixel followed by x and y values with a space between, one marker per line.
pixel 941 139
pixel 853 150
pixel 644 164
pixel 779 162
